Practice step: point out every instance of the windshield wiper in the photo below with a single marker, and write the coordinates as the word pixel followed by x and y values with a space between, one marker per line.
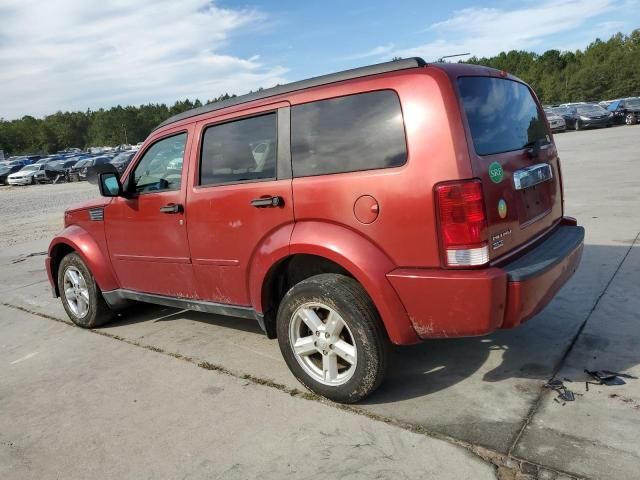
pixel 534 147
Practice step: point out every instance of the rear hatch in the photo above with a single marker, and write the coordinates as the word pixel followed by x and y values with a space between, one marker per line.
pixel 512 152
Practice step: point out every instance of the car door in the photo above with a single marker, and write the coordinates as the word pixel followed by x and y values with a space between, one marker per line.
pixel 147 230
pixel 240 198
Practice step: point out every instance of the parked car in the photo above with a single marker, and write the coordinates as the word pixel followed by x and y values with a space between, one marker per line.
pixel 625 110
pixel 7 168
pixel 82 169
pixel 590 115
pixel 405 228
pixel 122 160
pixel 556 122
pixel 585 116
pixel 58 170
pixel 29 174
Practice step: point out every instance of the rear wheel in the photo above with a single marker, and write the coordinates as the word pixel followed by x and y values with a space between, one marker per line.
pixel 332 339
pixel 81 296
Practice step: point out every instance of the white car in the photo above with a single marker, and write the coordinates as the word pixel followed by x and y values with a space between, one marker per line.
pixel 29 174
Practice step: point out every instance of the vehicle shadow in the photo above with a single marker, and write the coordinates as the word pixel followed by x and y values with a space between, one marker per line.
pixel 531 351
pixel 140 312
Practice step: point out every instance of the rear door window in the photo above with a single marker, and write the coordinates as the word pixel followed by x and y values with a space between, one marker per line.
pixel 347 134
pixel 502 114
pixel 239 151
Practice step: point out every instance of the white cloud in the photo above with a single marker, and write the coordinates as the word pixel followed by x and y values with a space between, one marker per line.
pixel 74 55
pixel 378 51
pixel 488 31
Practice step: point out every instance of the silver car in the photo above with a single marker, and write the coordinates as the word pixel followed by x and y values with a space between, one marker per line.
pixel 28 175
pixel 556 122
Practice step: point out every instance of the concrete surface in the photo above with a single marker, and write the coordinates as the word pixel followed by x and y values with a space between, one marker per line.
pixel 484 391
pixel 597 436
pixel 76 405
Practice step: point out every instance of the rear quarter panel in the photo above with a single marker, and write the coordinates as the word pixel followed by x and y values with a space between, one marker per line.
pixel 405 229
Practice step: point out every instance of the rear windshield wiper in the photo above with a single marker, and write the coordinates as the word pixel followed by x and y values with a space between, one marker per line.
pixel 534 147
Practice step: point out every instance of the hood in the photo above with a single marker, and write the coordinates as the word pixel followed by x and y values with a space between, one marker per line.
pixel 21 173
pixel 96 202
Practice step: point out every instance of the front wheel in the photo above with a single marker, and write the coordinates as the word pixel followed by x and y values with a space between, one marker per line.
pixel 630 119
pixel 80 295
pixel 332 339
pixel 577 125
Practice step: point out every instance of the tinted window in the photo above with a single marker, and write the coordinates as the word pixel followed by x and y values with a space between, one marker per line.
pixel 346 134
pixel 161 166
pixel 502 114
pixel 239 151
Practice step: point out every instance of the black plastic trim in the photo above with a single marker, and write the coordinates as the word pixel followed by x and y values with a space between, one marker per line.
pixel 377 69
pixel 546 255
pixel 117 298
pixel 284 167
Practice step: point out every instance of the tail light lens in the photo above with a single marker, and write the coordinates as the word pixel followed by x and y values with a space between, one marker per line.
pixel 463 223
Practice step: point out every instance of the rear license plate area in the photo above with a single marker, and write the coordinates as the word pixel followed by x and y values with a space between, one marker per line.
pixel 534 202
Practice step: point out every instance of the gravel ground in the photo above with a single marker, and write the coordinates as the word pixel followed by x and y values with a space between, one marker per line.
pixel 36 212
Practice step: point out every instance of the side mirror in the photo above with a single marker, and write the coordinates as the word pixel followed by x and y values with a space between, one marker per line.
pixel 109 184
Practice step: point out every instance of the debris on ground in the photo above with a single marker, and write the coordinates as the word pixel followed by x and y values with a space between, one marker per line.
pixel 607 377
pixel 563 392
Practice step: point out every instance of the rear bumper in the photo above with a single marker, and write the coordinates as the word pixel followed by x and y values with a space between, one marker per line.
pixel 456 303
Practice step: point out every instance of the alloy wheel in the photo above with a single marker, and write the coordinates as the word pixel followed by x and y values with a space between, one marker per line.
pixel 323 344
pixel 76 292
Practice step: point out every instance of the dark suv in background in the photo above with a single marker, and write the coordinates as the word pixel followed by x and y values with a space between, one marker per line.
pixel 625 111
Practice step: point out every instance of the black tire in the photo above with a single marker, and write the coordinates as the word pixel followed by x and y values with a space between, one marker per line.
pixel 33 180
pixel 630 119
pixel 347 298
pixel 577 125
pixel 98 312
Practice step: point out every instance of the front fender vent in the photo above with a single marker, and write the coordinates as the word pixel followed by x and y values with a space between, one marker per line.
pixel 96 214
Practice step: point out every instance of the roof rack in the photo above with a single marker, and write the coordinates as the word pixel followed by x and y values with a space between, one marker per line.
pixel 376 69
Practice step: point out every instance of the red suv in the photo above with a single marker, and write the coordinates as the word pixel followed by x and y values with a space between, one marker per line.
pixel 386 204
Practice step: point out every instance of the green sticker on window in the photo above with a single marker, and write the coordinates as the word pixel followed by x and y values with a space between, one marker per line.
pixel 496 174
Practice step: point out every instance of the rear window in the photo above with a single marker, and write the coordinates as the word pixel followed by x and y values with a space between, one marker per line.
pixel 347 134
pixel 502 114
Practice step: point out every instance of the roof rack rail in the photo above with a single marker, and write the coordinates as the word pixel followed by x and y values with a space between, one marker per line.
pixel 376 69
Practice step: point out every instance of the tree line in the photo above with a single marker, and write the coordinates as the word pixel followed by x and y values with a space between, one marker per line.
pixel 604 70
pixel 104 127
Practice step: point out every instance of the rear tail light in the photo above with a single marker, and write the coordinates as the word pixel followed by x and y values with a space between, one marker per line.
pixel 463 223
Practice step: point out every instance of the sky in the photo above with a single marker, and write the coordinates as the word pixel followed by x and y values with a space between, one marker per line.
pixel 73 55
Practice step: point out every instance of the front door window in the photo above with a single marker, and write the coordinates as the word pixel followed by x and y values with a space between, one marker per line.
pixel 161 167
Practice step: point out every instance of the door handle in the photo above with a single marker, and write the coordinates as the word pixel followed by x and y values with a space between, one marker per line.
pixel 265 202
pixel 171 208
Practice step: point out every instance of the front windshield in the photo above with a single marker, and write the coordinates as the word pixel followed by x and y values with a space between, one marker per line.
pixel 590 110
pixel 122 157
pixel 31 167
